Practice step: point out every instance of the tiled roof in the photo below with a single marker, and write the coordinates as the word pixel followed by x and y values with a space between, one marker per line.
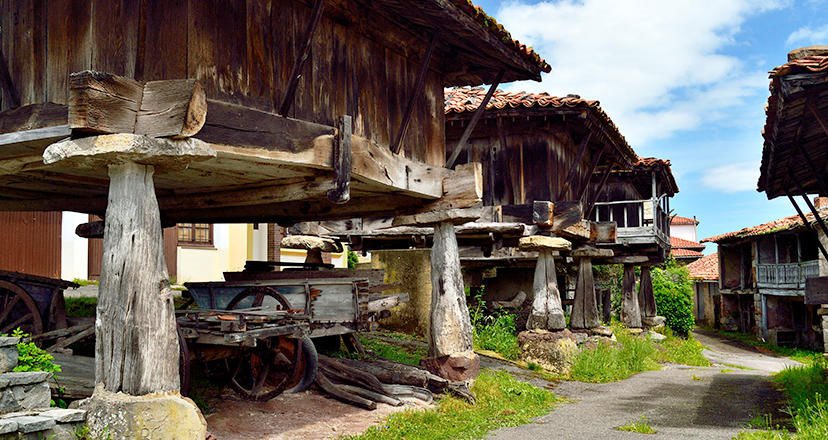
pixel 808 64
pixel 679 220
pixel 649 162
pixel 681 243
pixel 477 13
pixel 685 253
pixel 706 268
pixel 782 224
pixel 467 99
pixel 652 163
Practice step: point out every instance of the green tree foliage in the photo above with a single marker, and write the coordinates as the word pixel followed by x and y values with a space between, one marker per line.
pixel 673 291
pixel 353 259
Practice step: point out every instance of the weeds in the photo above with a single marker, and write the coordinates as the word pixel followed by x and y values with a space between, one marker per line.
pixel 502 401
pixel 83 307
pixel 641 427
pixel 403 355
pixel 494 331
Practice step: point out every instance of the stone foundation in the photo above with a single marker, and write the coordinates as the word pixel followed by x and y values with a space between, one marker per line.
pixel 555 350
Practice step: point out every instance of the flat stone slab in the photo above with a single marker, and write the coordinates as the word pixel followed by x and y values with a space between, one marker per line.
pixel 544 243
pixel 8 358
pixel 25 378
pixel 27 424
pixel 7 341
pixel 7 426
pixel 309 242
pixel 65 415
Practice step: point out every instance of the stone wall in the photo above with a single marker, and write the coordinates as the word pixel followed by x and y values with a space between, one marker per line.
pixel 411 269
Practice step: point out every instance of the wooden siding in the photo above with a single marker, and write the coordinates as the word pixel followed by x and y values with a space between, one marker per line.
pixel 30 242
pixel 242 52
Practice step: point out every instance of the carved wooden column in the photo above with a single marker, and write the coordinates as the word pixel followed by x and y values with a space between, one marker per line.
pixel 585 308
pixel 630 311
pixel 547 312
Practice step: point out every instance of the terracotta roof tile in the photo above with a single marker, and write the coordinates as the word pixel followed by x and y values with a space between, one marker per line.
pixel 778 225
pixel 680 243
pixel 706 268
pixel 679 220
pixel 685 253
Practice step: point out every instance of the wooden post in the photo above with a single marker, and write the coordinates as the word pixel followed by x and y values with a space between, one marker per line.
pixel 630 311
pixel 606 305
pixel 136 346
pixel 584 310
pixel 646 295
pixel 547 312
pixel 450 336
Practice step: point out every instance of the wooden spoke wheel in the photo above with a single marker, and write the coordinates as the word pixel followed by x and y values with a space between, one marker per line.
pixel 264 372
pixel 259 296
pixel 18 309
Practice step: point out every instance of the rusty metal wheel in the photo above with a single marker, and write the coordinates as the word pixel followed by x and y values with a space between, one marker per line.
pixel 18 309
pixel 259 296
pixel 264 372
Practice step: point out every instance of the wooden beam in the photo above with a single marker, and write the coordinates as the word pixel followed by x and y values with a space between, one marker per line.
pixel 90 230
pixel 461 144
pixel 342 162
pixel 588 177
pixel 543 213
pixel 33 116
pixel 598 190
pixel 171 108
pixel 805 222
pixel 572 171
pixel 416 93
pixel 102 103
pixel 301 60
pixel 6 82
pixel 812 107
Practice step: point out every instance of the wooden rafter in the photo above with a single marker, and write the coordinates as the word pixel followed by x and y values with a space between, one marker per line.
pixel 416 93
pixel 461 144
pixel 598 190
pixel 808 203
pixel 588 177
pixel 570 176
pixel 805 222
pixel 302 59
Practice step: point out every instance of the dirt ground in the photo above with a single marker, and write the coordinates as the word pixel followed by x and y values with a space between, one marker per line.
pixel 306 415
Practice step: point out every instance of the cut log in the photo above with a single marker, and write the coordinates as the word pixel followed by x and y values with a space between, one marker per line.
pixel 460 201
pixel 543 213
pixel 450 337
pixel 585 308
pixel 630 311
pixel 62 344
pixel 603 232
pixel 172 108
pixel 103 103
pixel 90 230
pixel 136 349
pixel 368 394
pixel 34 116
pixel 394 373
pixel 340 394
pixel 450 216
pixel 54 334
pixel 542 243
pixel 646 294
pixel 387 303
pixel 547 312
pixel 350 374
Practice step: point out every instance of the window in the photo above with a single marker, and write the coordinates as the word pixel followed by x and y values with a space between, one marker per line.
pixel 195 234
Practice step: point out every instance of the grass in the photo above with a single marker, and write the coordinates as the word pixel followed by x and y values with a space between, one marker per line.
pixel 806 388
pixel 798 354
pixel 633 354
pixel 502 401
pixel 403 354
pixel 696 378
pixel 81 307
pixel 82 282
pixel 496 333
pixel 641 427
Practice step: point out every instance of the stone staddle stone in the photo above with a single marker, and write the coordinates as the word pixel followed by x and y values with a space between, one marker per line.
pixel 543 243
pixel 311 242
pixel 157 416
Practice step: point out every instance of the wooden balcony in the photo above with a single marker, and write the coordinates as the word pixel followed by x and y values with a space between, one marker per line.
pixel 639 221
pixel 786 275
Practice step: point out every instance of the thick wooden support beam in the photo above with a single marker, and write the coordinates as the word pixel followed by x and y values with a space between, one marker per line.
pixel 462 190
pixel 543 213
pixel 478 112
pixel 547 311
pixel 302 59
pixel 6 83
pixel 453 216
pixel 645 293
pixel 450 337
pixel 630 311
pixel 585 308
pixel 342 161
pixel 416 93
pixel 30 117
pixel 90 230
pixel 172 108
pixel 591 252
pixel 136 348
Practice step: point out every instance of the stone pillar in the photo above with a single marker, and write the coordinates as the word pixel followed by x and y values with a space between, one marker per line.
pixel 630 310
pixel 547 313
pixel 450 350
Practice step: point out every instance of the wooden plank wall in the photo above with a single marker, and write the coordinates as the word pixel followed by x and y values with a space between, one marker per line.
pixel 30 242
pixel 241 50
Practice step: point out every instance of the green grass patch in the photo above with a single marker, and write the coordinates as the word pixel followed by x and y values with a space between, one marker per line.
pixel 81 307
pixel 406 354
pixel 496 333
pixel 641 427
pixel 802 355
pixel 82 282
pixel 502 401
pixel 681 350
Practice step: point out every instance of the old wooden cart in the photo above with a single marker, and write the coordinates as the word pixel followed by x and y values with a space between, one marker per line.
pixel 259 325
pixel 32 303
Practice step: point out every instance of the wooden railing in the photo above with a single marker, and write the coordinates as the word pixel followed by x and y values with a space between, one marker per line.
pixel 787 275
pixel 632 218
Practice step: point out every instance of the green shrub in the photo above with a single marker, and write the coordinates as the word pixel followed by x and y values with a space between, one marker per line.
pixel 31 357
pixel 673 292
pixel 353 259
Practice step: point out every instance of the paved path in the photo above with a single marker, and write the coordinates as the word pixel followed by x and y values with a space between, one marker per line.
pixel 679 402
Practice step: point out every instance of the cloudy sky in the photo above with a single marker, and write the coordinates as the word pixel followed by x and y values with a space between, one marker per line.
pixel 684 80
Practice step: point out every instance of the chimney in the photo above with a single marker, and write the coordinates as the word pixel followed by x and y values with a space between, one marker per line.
pixel 821 202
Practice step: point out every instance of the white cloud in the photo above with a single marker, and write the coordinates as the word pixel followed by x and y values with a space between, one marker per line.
pixel 732 178
pixel 806 36
pixel 657 66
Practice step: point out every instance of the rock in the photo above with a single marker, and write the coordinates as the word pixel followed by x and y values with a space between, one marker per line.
pixel 543 243
pixel 309 242
pixel 554 351
pixel 7 426
pixel 27 424
pixel 64 431
pixel 635 331
pixel 601 331
pixel 151 417
pixel 65 415
pixel 8 341
pixel 34 396
pixel 653 321
pixel 8 401
pixel 26 378
pixel 656 337
pixel 456 368
pixel 8 358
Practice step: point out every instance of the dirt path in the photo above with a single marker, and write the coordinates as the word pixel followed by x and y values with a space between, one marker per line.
pixel 679 402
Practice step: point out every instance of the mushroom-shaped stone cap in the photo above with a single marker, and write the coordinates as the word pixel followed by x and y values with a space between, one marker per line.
pixel 592 252
pixel 544 243
pixel 311 242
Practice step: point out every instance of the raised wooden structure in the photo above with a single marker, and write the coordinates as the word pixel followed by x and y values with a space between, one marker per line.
pixel 291 91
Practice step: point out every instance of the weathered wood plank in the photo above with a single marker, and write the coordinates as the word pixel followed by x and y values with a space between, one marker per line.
pixel 33 116
pixel 103 103
pixel 630 311
pixel 171 108
pixel 342 161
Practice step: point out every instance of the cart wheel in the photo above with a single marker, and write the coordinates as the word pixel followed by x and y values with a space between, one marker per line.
pixel 264 372
pixel 259 296
pixel 305 373
pixel 18 309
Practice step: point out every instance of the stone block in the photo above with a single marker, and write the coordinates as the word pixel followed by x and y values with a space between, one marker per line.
pixel 8 358
pixel 8 401
pixel 7 426
pixel 35 396
pixel 26 378
pixel 27 424
pixel 8 341
pixel 554 351
pixel 65 415
pixel 544 243
pixel 456 368
pixel 653 321
pixel 656 337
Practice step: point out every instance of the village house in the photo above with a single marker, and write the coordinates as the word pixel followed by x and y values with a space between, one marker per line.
pixel 706 297
pixel 684 245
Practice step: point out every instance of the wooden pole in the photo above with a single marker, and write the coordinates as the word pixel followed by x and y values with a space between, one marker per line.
pixel 136 348
pixel 461 144
pixel 450 337
pixel 585 309
pixel 396 145
pixel 547 311
pixel 302 59
pixel 630 311
pixel 646 294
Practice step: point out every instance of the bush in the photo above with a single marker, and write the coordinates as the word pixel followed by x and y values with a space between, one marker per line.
pixel 31 357
pixel 673 291
pixel 353 259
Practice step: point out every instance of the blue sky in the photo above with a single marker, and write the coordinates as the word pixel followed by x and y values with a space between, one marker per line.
pixel 684 80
